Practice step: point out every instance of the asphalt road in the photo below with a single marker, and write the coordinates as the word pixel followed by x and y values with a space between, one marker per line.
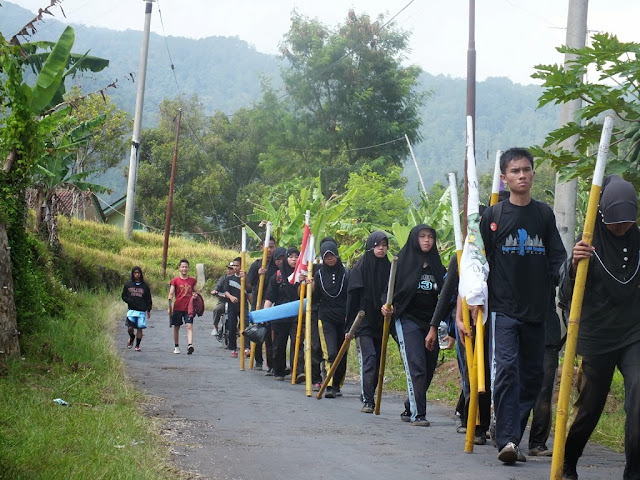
pixel 223 423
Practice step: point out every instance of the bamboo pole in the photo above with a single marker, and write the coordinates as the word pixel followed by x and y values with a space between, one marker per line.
pixel 495 186
pixel 243 300
pixel 307 324
pixel 307 219
pixel 576 305
pixel 385 335
pixel 267 237
pixel 341 353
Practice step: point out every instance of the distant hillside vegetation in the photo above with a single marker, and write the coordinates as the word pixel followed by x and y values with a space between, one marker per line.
pixel 226 74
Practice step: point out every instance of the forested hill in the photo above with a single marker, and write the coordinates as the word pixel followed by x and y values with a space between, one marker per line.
pixel 226 75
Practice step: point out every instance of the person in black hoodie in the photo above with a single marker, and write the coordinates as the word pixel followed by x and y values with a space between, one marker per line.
pixel 280 290
pixel 368 280
pixel 609 334
pixel 330 294
pixel 137 295
pixel 419 279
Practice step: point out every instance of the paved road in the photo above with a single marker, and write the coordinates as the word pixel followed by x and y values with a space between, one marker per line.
pixel 224 423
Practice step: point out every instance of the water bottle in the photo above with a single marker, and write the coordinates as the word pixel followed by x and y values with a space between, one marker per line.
pixel 443 331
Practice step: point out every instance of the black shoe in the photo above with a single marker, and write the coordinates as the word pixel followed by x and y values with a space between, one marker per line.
pixel 330 393
pixel 569 472
pixel 509 453
pixel 405 416
pixel 337 391
pixel 367 408
pixel 257 366
pixel 420 421
pixel 540 451
pixel 300 378
pixel 269 373
pixel 190 349
pixel 480 439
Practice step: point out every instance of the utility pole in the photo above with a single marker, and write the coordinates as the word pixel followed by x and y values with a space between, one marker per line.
pixel 167 223
pixel 137 124
pixel 564 205
pixel 471 102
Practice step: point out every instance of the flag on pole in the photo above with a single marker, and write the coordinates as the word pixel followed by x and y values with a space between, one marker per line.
pixel 474 268
pixel 305 255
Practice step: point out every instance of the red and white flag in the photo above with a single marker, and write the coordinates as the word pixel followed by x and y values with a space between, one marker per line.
pixel 306 255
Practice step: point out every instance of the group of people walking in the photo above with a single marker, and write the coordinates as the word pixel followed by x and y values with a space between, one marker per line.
pixel 527 263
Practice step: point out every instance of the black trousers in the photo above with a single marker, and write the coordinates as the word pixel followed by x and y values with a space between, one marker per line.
pixel 331 338
pixel 597 373
pixel 542 412
pixel 282 333
pixel 369 359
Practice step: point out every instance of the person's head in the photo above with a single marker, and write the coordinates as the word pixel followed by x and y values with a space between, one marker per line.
pixel 278 256
pixel 230 270
pixel 516 167
pixel 378 243
pixel 292 256
pixel 329 253
pixel 237 264
pixel 271 248
pixel 183 267
pixel 618 205
pixel 426 239
pixel 136 274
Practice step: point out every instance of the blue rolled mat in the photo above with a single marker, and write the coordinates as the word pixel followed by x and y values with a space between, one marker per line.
pixel 277 312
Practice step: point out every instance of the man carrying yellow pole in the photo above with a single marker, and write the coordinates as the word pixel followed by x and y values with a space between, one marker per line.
pixel 267 251
pixel 525 252
pixel 608 302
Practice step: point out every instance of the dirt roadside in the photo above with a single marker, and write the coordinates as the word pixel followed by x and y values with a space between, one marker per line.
pixel 223 423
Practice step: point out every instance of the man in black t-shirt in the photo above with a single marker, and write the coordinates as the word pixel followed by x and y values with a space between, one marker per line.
pixel 232 289
pixel 525 253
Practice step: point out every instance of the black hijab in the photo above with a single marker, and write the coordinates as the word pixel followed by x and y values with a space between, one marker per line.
pixel 617 258
pixel 331 278
pixel 411 258
pixel 371 273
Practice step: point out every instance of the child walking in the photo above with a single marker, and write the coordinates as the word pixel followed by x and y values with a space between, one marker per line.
pixel 182 289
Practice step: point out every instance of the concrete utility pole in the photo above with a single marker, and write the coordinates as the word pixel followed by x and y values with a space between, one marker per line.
pixel 130 208
pixel 564 205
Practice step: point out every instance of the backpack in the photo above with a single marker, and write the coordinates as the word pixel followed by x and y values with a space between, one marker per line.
pixel 196 306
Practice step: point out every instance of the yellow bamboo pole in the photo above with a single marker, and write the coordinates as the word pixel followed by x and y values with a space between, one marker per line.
pixel 562 412
pixel 243 300
pixel 260 288
pixel 307 325
pixel 298 333
pixel 385 335
pixel 341 353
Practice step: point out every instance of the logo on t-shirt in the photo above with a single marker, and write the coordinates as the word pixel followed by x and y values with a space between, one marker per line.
pixel 524 244
pixel 427 283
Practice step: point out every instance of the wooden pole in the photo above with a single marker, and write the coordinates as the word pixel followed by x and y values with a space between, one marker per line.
pixel 562 412
pixel 243 300
pixel 495 186
pixel 385 334
pixel 260 288
pixel 341 353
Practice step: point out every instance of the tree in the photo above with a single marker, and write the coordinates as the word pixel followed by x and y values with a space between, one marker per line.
pixel 616 90
pixel 351 97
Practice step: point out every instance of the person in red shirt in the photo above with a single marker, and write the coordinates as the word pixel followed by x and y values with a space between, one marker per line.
pixel 182 289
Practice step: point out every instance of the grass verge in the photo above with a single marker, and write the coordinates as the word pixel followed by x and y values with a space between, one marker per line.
pixel 102 433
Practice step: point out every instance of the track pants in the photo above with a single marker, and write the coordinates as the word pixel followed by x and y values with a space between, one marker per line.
pixel 331 339
pixel 369 359
pixel 541 422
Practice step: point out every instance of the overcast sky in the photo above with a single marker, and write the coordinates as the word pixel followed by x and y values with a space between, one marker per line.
pixel 511 35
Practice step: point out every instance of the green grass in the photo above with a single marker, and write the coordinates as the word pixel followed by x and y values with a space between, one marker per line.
pixel 103 432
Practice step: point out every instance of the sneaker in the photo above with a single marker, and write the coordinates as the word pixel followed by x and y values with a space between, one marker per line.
pixel 492 433
pixel 420 421
pixel 300 378
pixel 509 453
pixel 269 371
pixel 137 349
pixel 258 366
pixel 569 472
pixel 367 408
pixel 521 457
pixel 176 350
pixel 247 354
pixel 540 451
pixel 316 387
pixel 280 378
pixel 330 393
pixel 337 391
pixel 214 332
pixel 480 439
pixel 190 349
pixel 405 416
pixel 461 429
pixel 234 354
pixel 130 343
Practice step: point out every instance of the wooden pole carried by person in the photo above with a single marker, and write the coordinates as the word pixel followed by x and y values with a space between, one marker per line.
pixel 562 412
pixel 385 334
pixel 267 237
pixel 243 298
pixel 307 323
pixel 341 353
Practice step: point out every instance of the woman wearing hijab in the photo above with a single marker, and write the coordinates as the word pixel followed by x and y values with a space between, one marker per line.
pixel 368 281
pixel 280 291
pixel 330 293
pixel 419 279
pixel 609 333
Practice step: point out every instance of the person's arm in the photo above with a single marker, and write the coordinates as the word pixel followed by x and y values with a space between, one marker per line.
pixel 172 294
pixel 447 295
pixel 125 294
pixel 462 331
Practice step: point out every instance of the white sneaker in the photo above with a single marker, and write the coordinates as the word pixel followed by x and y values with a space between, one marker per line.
pixel 214 332
pixel 176 350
